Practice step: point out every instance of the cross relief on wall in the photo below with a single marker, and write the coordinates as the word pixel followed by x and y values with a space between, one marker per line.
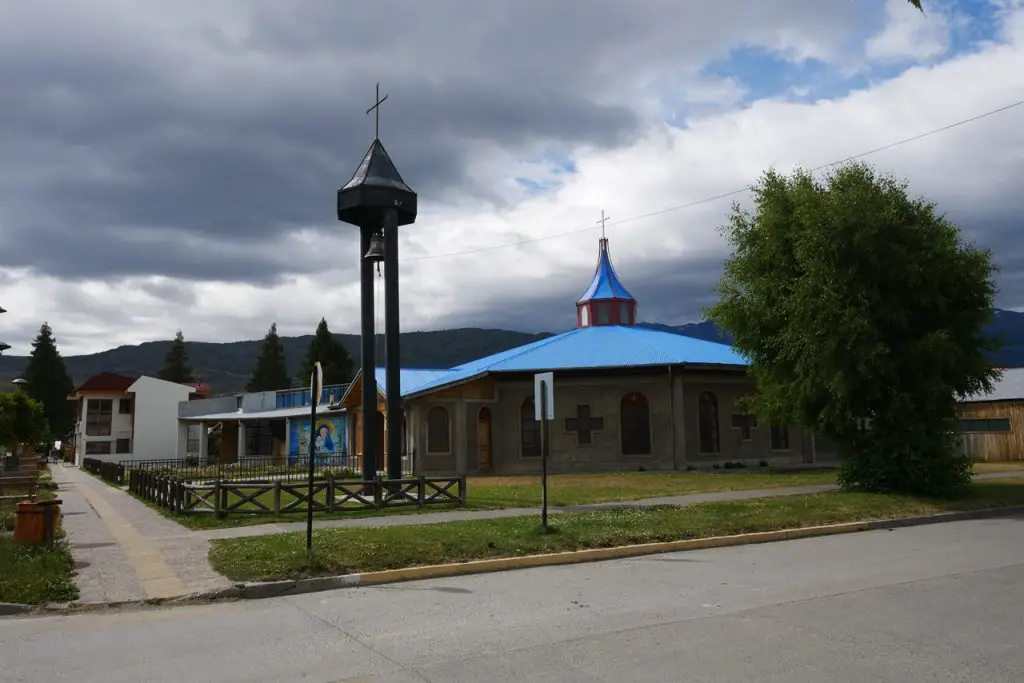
pixel 584 425
pixel 744 422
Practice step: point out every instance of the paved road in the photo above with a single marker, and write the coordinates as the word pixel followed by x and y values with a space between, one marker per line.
pixel 933 603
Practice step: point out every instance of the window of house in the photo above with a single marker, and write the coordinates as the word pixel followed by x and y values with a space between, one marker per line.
pixel 259 438
pixel 123 444
pixel 707 422
pixel 624 314
pixel 780 438
pixel 97 447
pixel 529 431
pixel 438 431
pixel 602 314
pixel 125 406
pixel 995 424
pixel 635 423
pixel 192 443
pixel 745 422
pixel 98 417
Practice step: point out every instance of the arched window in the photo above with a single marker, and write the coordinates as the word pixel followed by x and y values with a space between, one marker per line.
pixel 603 313
pixel 708 422
pixel 529 430
pixel 635 423
pixel 438 431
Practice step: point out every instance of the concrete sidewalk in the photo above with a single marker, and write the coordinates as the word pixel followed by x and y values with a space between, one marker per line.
pixel 461 515
pixel 125 551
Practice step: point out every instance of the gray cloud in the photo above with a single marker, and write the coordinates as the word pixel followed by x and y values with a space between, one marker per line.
pixel 149 140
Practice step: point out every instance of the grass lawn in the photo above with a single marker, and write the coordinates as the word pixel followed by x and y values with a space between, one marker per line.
pixel 340 551
pixel 487 493
pixel 34 575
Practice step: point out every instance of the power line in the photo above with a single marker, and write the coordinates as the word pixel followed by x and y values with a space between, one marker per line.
pixel 716 197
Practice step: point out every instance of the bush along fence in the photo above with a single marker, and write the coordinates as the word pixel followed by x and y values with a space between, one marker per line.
pixel 111 472
pixel 330 494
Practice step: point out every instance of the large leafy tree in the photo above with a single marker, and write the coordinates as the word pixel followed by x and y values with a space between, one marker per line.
pixel 326 348
pixel 271 371
pixel 861 311
pixel 176 367
pixel 49 382
pixel 22 419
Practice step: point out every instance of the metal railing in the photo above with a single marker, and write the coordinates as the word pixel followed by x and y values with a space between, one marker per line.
pixel 192 470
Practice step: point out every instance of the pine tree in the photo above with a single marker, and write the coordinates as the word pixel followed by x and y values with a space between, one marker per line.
pixel 271 371
pixel 337 364
pixel 176 368
pixel 49 382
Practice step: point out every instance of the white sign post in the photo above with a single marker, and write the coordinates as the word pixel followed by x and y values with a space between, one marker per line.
pixel 544 411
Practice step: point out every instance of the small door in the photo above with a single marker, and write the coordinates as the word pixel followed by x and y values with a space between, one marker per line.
pixel 483 440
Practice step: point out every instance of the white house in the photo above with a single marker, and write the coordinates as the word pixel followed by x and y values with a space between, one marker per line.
pixel 122 418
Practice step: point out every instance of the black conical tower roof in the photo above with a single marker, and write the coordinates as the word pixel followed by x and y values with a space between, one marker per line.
pixel 376 185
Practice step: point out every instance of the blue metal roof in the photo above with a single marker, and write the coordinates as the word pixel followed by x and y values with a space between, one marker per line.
pixel 411 379
pixel 606 284
pixel 603 347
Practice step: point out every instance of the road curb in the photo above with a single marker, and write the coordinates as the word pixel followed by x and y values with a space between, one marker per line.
pixel 258 590
pixel 9 608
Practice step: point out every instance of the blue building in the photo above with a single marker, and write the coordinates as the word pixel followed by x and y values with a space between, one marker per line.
pixel 627 397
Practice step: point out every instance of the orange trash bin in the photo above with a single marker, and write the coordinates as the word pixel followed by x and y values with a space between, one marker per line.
pixel 36 521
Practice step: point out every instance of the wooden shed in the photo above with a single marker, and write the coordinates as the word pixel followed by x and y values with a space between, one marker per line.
pixel 991 426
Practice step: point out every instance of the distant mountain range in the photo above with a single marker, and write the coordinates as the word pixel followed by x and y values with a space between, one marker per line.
pixel 226 366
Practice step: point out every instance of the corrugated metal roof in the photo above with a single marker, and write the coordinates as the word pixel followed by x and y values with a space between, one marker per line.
pixel 1008 388
pixel 411 378
pixel 589 348
pixel 606 284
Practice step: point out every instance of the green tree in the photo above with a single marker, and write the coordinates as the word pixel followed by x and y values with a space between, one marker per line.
pixel 271 371
pixel 22 419
pixel 176 367
pixel 49 382
pixel 861 312
pixel 332 355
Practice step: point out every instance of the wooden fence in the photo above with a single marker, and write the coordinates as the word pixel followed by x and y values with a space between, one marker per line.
pixel 330 494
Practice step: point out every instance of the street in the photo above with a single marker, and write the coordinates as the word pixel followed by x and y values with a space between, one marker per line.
pixel 931 603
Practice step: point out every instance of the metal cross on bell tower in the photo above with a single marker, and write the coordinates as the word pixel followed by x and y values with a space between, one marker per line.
pixel 378 202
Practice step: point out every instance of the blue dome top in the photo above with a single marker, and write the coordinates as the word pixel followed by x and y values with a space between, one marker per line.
pixel 606 284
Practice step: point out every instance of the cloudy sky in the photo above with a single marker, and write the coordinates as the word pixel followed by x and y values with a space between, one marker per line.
pixel 171 165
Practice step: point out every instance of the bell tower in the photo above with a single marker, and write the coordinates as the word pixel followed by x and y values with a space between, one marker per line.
pixel 606 301
pixel 378 202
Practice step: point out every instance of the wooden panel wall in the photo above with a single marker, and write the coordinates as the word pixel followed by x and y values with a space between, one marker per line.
pixel 995 446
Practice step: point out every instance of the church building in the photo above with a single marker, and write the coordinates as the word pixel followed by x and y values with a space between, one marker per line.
pixel 626 397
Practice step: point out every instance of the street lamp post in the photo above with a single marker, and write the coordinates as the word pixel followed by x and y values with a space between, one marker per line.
pixel 3 345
